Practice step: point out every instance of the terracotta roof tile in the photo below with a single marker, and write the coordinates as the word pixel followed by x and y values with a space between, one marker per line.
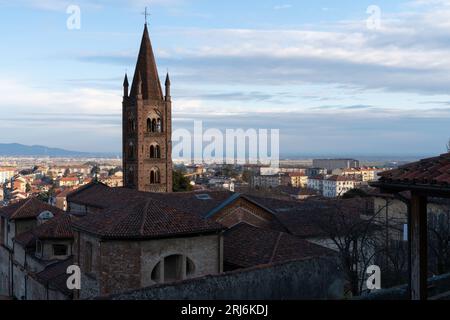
pixel 146 219
pixel 432 171
pixel 247 246
pixel 28 209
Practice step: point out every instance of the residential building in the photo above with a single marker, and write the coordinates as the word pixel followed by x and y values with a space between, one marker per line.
pixel 113 181
pixel 337 186
pixel 29 246
pixel 20 184
pixel 68 182
pixel 298 180
pixel 366 174
pixel 6 174
pixel 316 183
pixel 269 181
pixel 314 172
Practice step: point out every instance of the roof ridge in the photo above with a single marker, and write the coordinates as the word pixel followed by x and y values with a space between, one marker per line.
pixel 276 247
pixel 21 207
pixel 144 216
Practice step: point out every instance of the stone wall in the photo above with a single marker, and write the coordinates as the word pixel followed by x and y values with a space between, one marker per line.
pixel 315 278
pixel 5 271
pixel 119 266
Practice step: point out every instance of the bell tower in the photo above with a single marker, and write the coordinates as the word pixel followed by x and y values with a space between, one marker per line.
pixel 147 126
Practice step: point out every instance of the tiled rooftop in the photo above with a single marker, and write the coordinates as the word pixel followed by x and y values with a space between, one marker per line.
pixel 28 209
pixel 247 246
pixel 146 219
pixel 432 171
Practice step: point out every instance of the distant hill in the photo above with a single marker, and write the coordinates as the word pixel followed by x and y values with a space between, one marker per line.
pixel 20 150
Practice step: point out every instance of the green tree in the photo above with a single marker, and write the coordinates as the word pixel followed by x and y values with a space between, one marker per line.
pixel 95 171
pixel 44 196
pixel 246 176
pixel 66 172
pixel 180 182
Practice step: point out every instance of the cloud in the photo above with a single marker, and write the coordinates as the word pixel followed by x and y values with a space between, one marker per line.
pixel 24 99
pixel 400 57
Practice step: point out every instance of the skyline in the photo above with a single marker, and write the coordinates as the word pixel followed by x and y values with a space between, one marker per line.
pixel 314 71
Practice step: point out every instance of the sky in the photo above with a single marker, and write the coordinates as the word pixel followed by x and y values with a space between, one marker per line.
pixel 330 75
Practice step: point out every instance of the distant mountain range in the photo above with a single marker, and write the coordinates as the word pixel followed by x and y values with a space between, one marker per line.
pixel 20 150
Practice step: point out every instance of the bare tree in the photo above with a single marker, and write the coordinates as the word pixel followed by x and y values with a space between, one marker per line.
pixel 448 145
pixel 439 242
pixel 351 227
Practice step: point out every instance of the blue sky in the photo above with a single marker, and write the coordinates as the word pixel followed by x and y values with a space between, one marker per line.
pixel 312 69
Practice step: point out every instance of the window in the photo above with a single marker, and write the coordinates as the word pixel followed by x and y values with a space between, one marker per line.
pixel 159 127
pixel 131 125
pixel 88 258
pixel 59 250
pixel 130 176
pixel 155 152
pixel 176 267
pixel 155 176
pixel 154 125
pixel 131 150
pixel 203 196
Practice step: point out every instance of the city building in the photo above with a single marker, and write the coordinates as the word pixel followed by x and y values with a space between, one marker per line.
pixel 314 172
pixel 269 181
pixel 316 183
pixel 298 180
pixel 6 173
pixel 337 186
pixel 20 184
pixel 68 182
pixel 332 164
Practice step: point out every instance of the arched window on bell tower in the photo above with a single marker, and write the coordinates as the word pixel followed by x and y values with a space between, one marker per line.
pixel 131 150
pixel 131 125
pixel 159 125
pixel 149 125
pixel 130 176
pixel 155 151
pixel 155 176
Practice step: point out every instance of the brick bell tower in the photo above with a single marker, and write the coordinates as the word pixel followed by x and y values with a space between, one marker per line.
pixel 147 126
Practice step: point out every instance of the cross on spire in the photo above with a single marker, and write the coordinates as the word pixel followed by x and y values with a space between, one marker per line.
pixel 146 15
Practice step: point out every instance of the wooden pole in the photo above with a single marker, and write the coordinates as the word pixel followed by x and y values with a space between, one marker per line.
pixel 418 240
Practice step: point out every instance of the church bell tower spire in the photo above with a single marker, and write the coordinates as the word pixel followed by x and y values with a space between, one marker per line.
pixel 147 125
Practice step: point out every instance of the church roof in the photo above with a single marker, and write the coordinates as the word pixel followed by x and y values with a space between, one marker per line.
pixel 145 219
pixel 147 70
pixel 131 214
pixel 101 196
